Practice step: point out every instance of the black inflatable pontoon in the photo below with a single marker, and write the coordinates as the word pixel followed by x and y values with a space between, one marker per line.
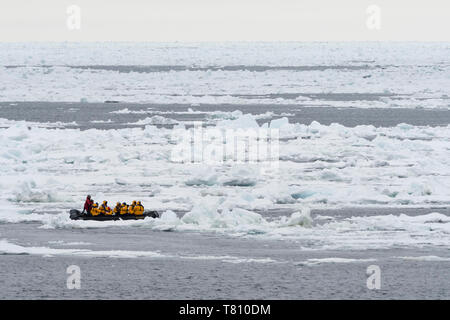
pixel 77 215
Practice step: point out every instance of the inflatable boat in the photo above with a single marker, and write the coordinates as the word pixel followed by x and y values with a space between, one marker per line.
pixel 77 215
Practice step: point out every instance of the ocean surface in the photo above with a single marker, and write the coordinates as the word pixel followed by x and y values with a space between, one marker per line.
pixel 362 176
pixel 92 115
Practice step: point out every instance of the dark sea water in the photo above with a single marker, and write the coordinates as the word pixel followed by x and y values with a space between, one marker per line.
pixel 198 266
pixel 84 113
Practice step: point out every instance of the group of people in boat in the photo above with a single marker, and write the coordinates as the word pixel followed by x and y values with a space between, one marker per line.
pixel 92 208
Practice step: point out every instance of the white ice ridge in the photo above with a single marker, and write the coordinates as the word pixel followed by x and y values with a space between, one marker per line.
pixel 7 247
pixel 5 123
pixel 319 165
pixel 210 115
pixel 318 261
pixel 155 120
pixel 427 258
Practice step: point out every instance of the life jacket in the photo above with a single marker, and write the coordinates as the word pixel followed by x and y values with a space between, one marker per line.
pixel 108 211
pixel 117 209
pixel 102 209
pixel 124 209
pixel 139 210
pixel 94 210
pixel 132 209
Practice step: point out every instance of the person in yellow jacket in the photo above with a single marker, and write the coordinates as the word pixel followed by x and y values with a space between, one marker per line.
pixel 117 208
pixel 124 209
pixel 108 211
pixel 94 210
pixel 139 209
pixel 101 209
pixel 131 209
pixel 104 209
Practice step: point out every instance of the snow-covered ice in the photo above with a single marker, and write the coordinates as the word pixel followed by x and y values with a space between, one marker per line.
pixel 320 166
pixel 409 75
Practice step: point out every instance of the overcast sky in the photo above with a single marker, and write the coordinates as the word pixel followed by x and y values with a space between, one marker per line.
pixel 225 20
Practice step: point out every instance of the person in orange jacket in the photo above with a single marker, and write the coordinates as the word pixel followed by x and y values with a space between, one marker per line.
pixel 94 210
pixel 131 209
pixel 139 209
pixel 104 209
pixel 117 208
pixel 124 209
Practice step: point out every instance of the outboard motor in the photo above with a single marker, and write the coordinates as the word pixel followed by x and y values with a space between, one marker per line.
pixel 75 214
